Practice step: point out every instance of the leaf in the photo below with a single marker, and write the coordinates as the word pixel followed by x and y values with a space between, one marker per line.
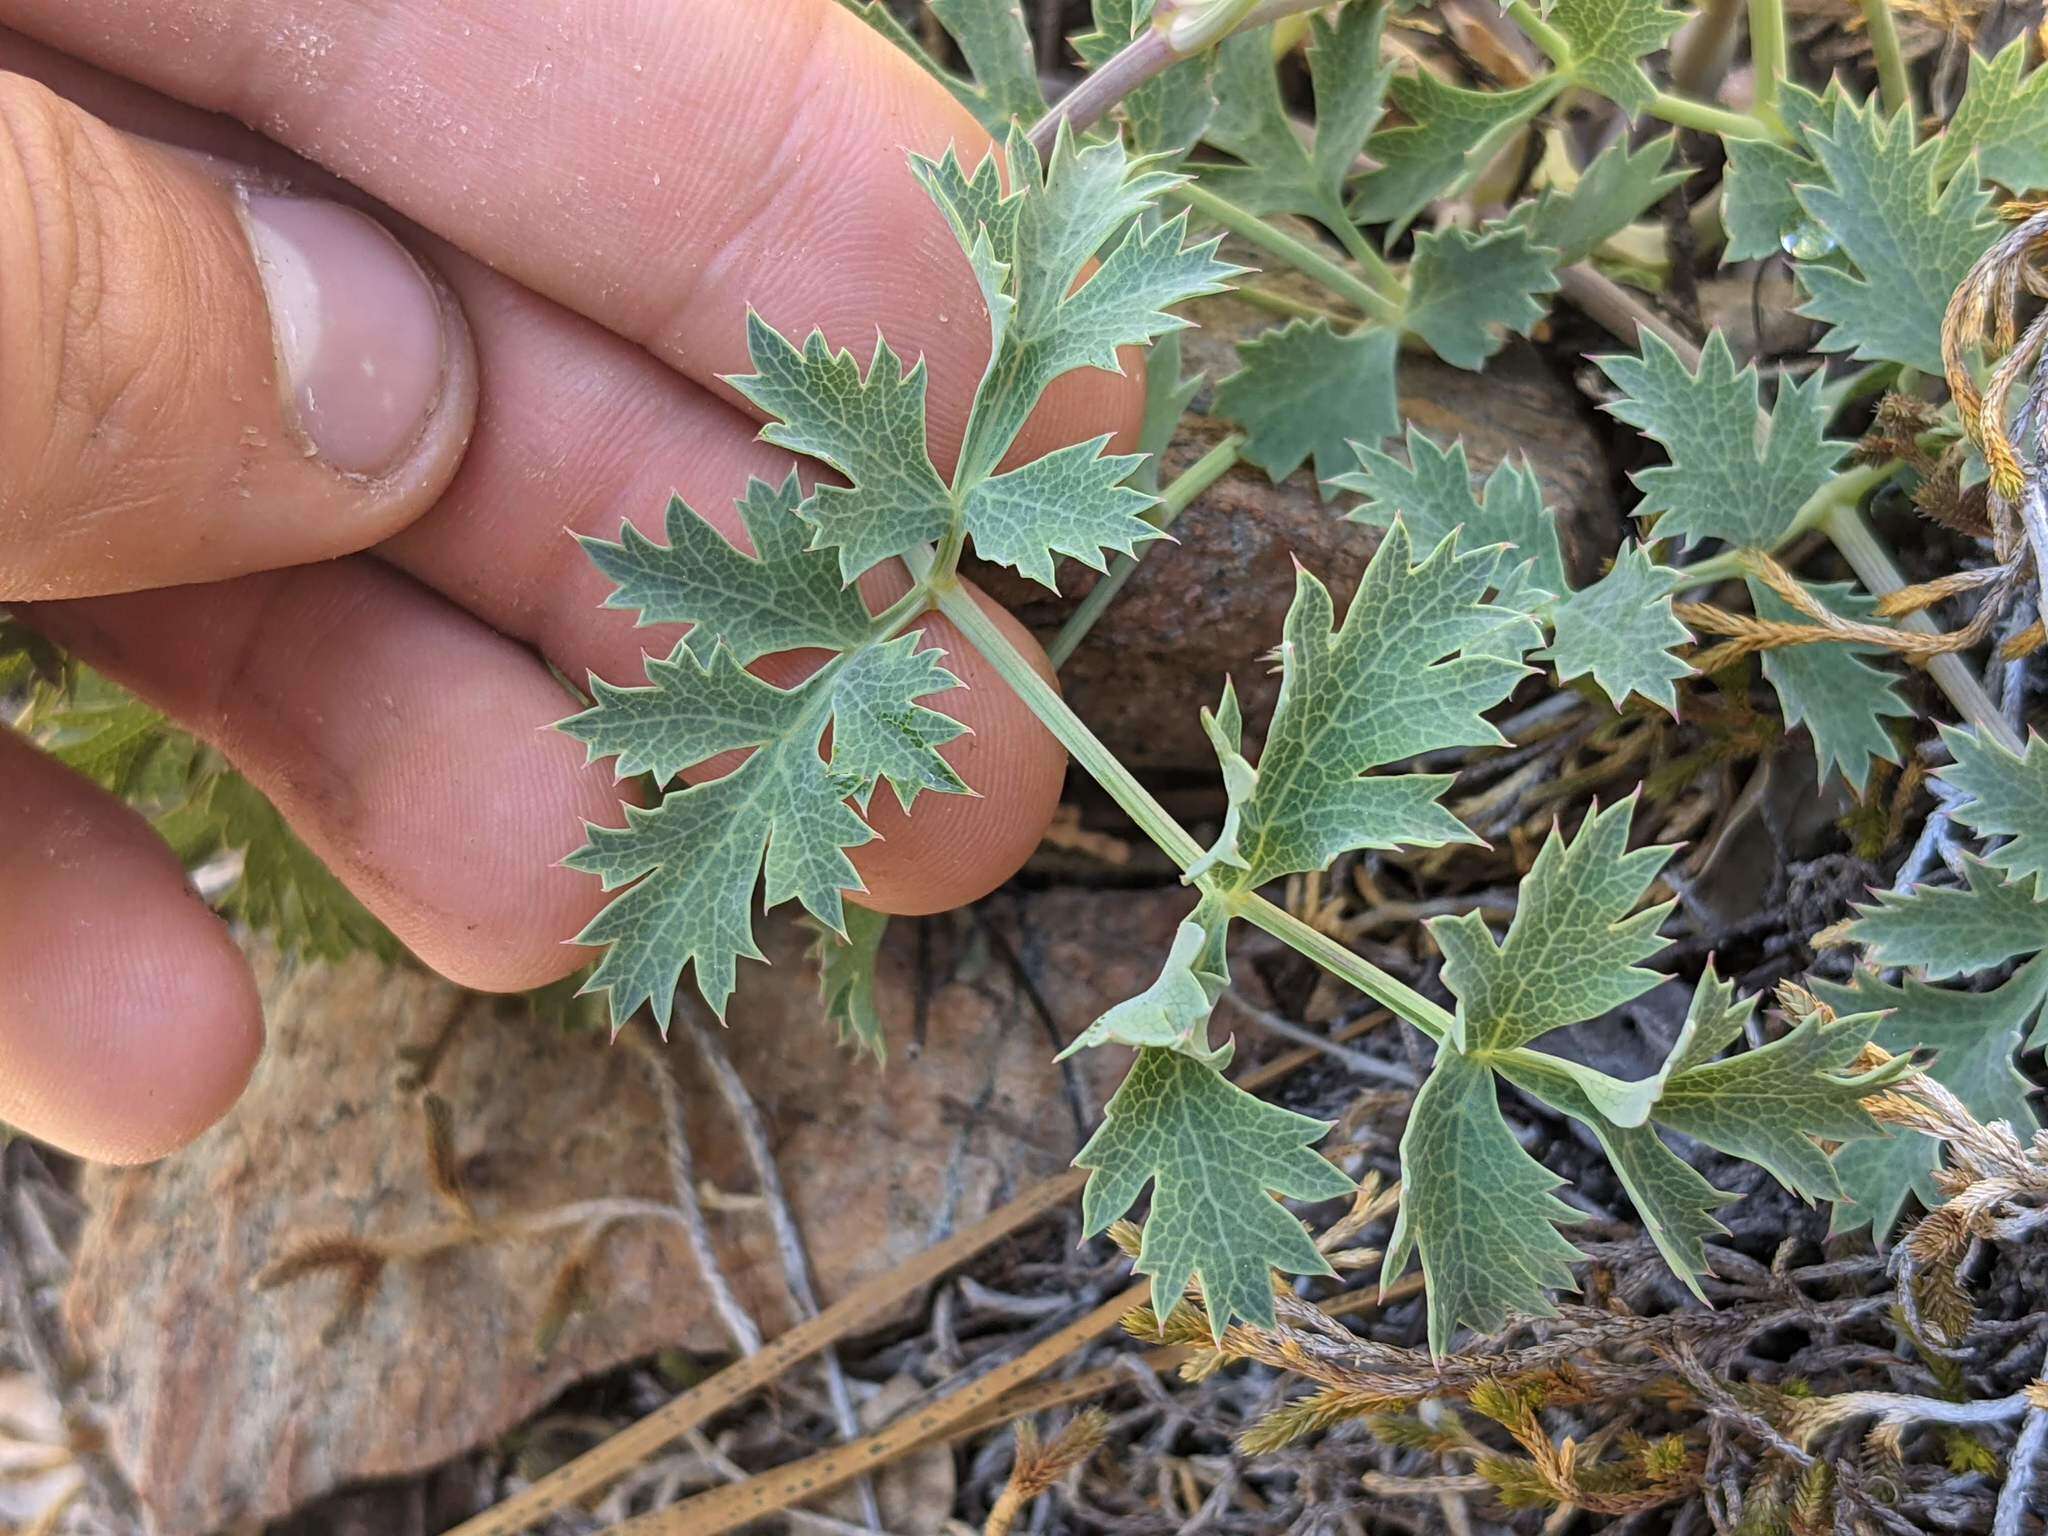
pixel 1277 173
pixel 1435 147
pixel 779 598
pixel 1029 249
pixel 869 428
pixel 1305 389
pixel 1949 932
pixel 2003 796
pixel 1910 246
pixel 100 730
pixel 1225 730
pixel 782 815
pixel 1068 502
pixel 1462 287
pixel 997 47
pixel 1432 493
pixel 1841 699
pixel 1215 1157
pixel 1167 114
pixel 26 657
pixel 1622 631
pixel 1614 192
pixel 1608 37
pixel 1768 1106
pixel 283 889
pixel 1714 1020
pixel 1728 477
pixel 2003 117
pixel 993 41
pixel 1571 952
pixel 1173 1013
pixel 846 979
pixel 1975 1036
pixel 1477 1208
pixel 1758 204
pixel 1675 1202
pixel 1388 685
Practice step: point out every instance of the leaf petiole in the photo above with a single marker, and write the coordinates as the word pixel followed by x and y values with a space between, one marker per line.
pixel 1767 52
pixel 1298 254
pixel 1894 83
pixel 1683 112
pixel 1158 824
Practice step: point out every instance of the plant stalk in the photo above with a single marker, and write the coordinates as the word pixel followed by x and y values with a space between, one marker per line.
pixel 1375 266
pixel 1298 254
pixel 1173 839
pixel 1874 567
pixel 1767 55
pixel 1893 83
pixel 1685 113
pixel 1555 45
pixel 1187 485
pixel 1073 734
pixel 1143 59
pixel 1389 991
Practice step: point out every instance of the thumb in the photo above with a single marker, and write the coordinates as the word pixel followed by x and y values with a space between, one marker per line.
pixel 198 378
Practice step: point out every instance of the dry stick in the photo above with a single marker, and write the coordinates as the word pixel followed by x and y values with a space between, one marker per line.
pixel 789 1240
pixel 1606 302
pixel 2022 1470
pixel 682 1173
pixel 865 1304
pixel 42 1347
pixel 726 1509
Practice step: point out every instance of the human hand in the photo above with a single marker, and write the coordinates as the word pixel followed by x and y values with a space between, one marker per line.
pixel 315 575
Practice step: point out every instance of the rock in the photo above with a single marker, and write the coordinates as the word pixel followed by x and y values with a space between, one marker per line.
pixel 1211 606
pixel 229 1404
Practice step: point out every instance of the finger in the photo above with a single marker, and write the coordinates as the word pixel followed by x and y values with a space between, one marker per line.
pixel 585 431
pixel 128 1021
pixel 680 160
pixel 202 380
pixel 613 448
pixel 407 744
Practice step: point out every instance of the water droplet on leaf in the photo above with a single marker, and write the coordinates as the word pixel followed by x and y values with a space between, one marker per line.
pixel 1808 241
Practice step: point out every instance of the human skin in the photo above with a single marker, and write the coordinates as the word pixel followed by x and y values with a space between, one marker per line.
pixel 356 591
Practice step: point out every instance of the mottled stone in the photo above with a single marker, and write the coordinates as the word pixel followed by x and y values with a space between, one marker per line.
pixel 229 1404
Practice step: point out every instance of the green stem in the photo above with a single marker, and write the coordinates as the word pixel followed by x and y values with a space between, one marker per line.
pixel 1554 43
pixel 1340 962
pixel 1685 113
pixel 1296 253
pixel 1187 485
pixel 1874 567
pixel 1767 54
pixel 1158 824
pixel 1073 734
pixel 1371 262
pixel 1285 304
pixel 1892 79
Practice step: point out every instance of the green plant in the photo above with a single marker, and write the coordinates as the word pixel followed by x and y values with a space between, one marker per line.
pixel 1464 586
pixel 1903 259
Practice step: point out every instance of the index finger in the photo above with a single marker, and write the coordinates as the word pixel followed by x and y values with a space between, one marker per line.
pixel 657 165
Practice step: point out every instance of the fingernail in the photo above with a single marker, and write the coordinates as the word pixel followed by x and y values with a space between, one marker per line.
pixel 359 326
